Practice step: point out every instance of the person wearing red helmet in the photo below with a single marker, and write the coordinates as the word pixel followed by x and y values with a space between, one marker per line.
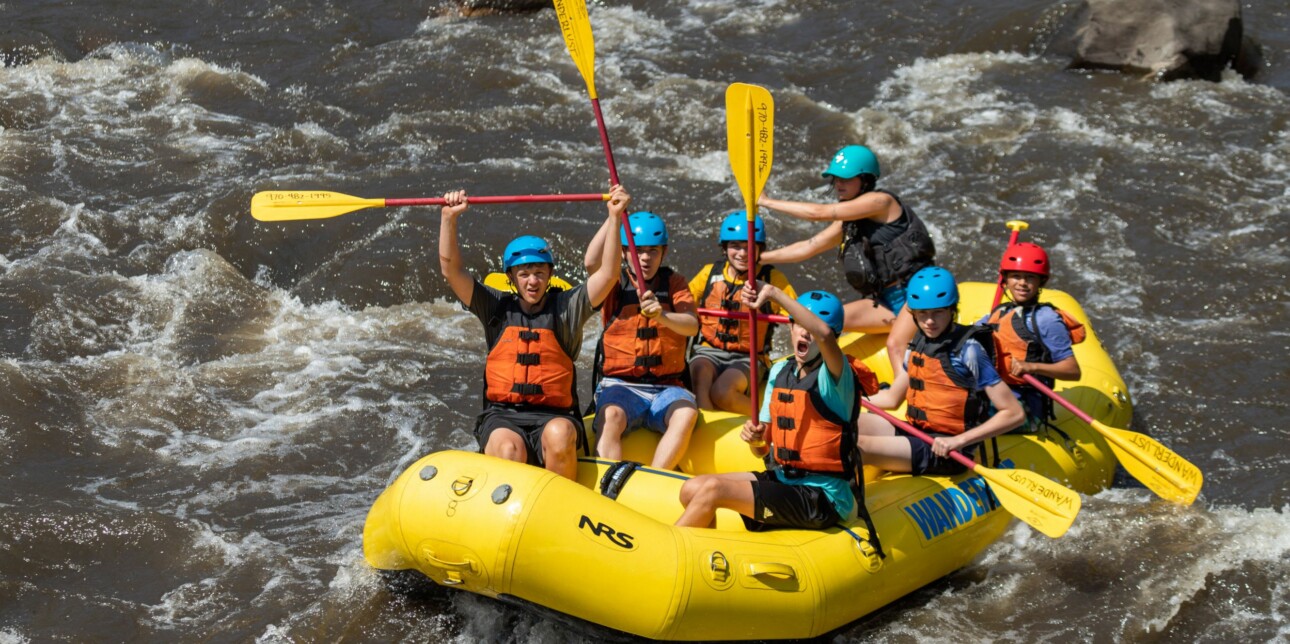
pixel 1032 337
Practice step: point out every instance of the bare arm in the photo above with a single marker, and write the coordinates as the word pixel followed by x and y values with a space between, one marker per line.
pixel 595 250
pixel 826 239
pixel 607 250
pixel 870 205
pixel 459 279
pixel 1067 369
pixel 1008 416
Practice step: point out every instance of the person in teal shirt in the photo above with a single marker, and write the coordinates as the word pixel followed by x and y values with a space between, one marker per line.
pixel 806 424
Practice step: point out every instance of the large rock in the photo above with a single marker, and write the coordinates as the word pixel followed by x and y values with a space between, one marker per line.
pixel 1165 38
pixel 473 8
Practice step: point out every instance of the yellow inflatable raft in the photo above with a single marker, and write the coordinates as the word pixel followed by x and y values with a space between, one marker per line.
pixel 522 534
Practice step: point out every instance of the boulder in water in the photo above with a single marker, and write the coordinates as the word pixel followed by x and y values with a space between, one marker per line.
pixel 472 8
pixel 1168 39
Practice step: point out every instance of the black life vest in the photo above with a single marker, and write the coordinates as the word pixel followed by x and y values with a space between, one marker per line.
pixel 871 262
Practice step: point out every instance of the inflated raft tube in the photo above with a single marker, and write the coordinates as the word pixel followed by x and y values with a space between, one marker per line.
pixel 602 548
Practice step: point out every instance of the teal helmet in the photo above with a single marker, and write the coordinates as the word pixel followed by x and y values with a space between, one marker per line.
pixel 825 306
pixel 647 229
pixel 931 288
pixel 735 228
pixel 526 250
pixel 853 161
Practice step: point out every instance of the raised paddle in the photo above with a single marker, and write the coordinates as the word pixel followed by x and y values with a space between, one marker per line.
pixel 750 128
pixel 1045 505
pixel 295 205
pixel 576 28
pixel 1167 474
pixel 1016 226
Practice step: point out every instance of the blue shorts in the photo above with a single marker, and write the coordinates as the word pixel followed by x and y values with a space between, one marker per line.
pixel 892 297
pixel 645 405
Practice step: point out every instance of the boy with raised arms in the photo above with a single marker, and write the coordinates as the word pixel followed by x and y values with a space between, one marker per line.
pixel 533 337
pixel 640 361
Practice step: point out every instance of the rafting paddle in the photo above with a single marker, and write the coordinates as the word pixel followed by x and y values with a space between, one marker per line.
pixel 1042 503
pixel 295 205
pixel 1167 474
pixel 750 127
pixel 576 28
pixel 1016 226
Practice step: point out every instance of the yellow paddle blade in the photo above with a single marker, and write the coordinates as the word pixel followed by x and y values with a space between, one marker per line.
pixel 293 205
pixel 1045 505
pixel 750 127
pixel 576 27
pixel 1167 474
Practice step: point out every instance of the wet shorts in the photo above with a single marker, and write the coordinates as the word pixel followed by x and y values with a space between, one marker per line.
pixel 645 405
pixel 723 360
pixel 528 424
pixel 892 297
pixel 779 505
pixel 923 461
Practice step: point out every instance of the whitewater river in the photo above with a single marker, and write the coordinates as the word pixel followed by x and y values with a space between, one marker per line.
pixel 197 409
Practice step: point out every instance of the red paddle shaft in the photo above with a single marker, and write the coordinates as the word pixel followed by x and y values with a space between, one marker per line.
pixel 740 315
pixel 634 257
pixel 914 431
pixel 439 201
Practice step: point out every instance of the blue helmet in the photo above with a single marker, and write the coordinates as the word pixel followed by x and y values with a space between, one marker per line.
pixel 853 161
pixel 647 229
pixel 735 228
pixel 526 250
pixel 825 306
pixel 931 288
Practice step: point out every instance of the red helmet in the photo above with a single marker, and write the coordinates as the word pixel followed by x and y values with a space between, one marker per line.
pixel 1025 257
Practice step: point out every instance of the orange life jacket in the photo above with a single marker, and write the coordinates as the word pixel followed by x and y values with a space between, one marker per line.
pixel 730 334
pixel 804 433
pixel 636 348
pixel 526 365
pixel 939 398
pixel 1013 341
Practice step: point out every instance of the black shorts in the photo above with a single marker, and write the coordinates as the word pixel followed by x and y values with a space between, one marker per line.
pixel 923 461
pixel 780 505
pixel 528 424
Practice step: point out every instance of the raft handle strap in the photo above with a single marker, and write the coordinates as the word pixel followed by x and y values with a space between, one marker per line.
pixel 616 477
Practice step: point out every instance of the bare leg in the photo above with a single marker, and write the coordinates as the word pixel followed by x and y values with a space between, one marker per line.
pixel 902 333
pixel 680 418
pixel 702 495
pixel 867 316
pixel 702 371
pixel 880 446
pixel 730 392
pixel 560 447
pixel 611 422
pixel 506 443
